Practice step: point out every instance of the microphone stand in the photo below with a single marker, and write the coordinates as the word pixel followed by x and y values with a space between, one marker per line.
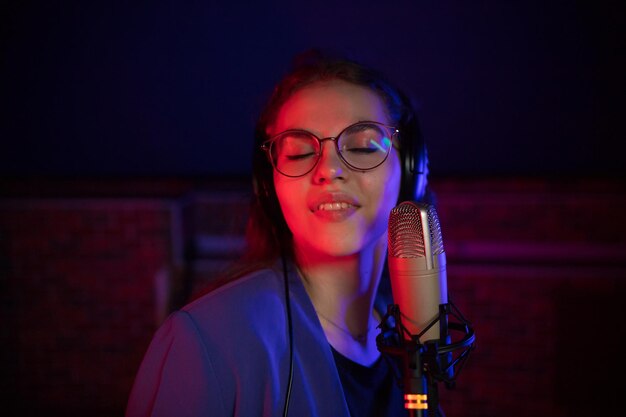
pixel 424 365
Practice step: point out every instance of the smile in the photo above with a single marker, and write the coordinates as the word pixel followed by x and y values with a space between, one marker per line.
pixel 334 206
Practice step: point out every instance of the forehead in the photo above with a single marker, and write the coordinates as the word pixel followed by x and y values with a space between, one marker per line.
pixel 327 107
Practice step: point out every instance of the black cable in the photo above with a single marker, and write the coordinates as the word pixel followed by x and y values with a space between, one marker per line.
pixel 290 333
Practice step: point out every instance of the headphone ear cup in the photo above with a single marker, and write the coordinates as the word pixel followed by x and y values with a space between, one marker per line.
pixel 420 174
pixel 414 173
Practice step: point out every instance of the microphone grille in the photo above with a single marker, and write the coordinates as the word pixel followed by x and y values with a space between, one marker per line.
pixel 435 231
pixel 408 235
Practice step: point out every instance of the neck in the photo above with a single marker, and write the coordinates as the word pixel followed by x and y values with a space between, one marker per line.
pixel 342 290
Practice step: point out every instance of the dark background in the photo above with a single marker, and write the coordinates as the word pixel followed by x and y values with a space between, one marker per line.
pixel 107 88
pixel 125 139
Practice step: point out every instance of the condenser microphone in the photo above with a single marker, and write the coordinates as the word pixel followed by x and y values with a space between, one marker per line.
pixel 417 268
pixel 419 334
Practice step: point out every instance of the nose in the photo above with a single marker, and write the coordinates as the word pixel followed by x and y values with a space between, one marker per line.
pixel 330 166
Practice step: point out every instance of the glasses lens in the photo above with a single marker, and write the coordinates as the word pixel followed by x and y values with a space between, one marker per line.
pixel 295 153
pixel 364 145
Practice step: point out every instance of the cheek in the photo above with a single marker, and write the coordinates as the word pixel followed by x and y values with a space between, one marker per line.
pixel 382 190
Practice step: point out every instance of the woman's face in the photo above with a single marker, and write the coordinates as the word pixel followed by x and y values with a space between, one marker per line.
pixel 333 210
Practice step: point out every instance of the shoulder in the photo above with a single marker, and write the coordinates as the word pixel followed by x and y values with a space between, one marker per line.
pixel 249 303
pixel 255 287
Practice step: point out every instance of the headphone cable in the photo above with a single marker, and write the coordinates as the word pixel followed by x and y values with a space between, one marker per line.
pixel 290 335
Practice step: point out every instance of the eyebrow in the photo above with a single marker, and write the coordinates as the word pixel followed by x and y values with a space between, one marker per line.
pixel 321 136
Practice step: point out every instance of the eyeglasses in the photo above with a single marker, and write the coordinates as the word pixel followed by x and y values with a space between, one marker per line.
pixel 361 146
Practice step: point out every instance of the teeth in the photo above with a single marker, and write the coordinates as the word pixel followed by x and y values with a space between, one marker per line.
pixel 334 206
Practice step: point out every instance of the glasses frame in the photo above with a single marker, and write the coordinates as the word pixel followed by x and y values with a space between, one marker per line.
pixel 267 146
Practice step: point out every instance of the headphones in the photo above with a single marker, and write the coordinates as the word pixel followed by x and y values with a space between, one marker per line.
pixel 414 165
pixel 413 187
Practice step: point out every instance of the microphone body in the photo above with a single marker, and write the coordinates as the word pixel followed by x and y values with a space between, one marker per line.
pixel 419 334
pixel 417 268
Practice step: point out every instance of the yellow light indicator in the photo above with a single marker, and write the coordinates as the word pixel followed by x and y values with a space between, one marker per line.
pixel 416 401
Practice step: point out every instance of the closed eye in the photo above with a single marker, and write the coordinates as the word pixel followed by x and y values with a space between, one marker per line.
pixel 361 150
pixel 297 157
pixel 373 147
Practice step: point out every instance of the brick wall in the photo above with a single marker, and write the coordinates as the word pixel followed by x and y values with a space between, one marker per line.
pixel 540 269
pixel 87 274
pixel 78 300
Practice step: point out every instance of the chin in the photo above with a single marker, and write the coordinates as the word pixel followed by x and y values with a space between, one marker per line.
pixel 328 246
pixel 338 245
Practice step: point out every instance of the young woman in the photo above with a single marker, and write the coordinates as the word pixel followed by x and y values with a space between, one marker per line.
pixel 294 331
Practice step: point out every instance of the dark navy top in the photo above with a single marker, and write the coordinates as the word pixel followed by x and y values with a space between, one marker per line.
pixel 370 391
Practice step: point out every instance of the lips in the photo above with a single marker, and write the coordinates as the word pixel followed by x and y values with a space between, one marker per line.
pixel 333 206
